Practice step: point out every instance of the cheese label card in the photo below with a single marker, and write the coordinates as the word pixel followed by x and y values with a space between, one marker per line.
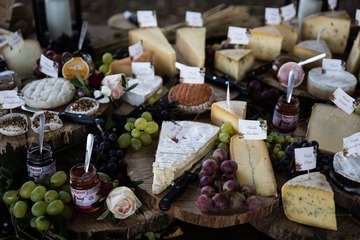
pixel 10 99
pixel 238 35
pixel 352 145
pixel 305 158
pixel 343 100
pixel 193 75
pixel 332 66
pixel 332 4
pixel 357 17
pixel 194 19
pixel 143 71
pixel 252 129
pixel 174 131
pixel 147 18
pixel 272 16
pixel 48 67
pixel 288 12
pixel 15 40
pixel 136 50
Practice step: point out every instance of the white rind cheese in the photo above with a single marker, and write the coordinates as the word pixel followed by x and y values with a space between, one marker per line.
pixel 310 48
pixel 323 85
pixel 190 43
pixel 177 154
pixel 347 166
pixel 143 91
pixel 353 61
pixel 234 62
pixel 308 199
pixel 221 113
pixel 254 165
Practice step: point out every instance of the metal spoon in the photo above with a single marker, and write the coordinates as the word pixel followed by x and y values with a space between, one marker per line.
pixel 312 59
pixel 89 147
pixel 84 27
pixel 290 86
pixel 41 132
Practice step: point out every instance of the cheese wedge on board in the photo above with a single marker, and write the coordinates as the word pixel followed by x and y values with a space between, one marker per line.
pixel 290 34
pixel 190 43
pixel 154 39
pixel 337 29
pixel 254 165
pixel 234 62
pixel 353 60
pixel 221 113
pixel 308 199
pixel 310 48
pixel 181 145
pixel 329 124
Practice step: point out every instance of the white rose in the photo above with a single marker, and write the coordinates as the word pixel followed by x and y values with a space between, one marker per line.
pixel 122 202
pixel 114 82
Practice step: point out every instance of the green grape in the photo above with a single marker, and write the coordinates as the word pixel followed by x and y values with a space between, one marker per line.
pixel 224 146
pixel 107 58
pixel 42 223
pixel 32 222
pixel 155 134
pixel 270 139
pixel 216 46
pixel 151 127
pixel 20 209
pixel 55 207
pixel 51 195
pixel 294 139
pixel 58 179
pixel 38 193
pixel 280 139
pixel 65 197
pixel 66 188
pixel 67 212
pixel 280 155
pixel 267 145
pixel 288 139
pixel 227 127
pixel 274 134
pixel 26 189
pixel 39 208
pixel 224 137
pixel 357 109
pixel 147 116
pixel 131 119
pixel 140 123
pixel 129 126
pixel 11 196
pixel 276 150
pixel 273 157
pixel 136 143
pixel 145 138
pixel 278 145
pixel 135 133
pixel 11 208
pixel 104 68
pixel 124 140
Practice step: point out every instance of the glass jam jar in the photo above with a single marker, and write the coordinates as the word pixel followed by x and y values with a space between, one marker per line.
pixel 286 115
pixel 84 187
pixel 40 165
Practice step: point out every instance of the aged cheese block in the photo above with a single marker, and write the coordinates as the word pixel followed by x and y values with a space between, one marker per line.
pixel 308 199
pixel 329 125
pixel 337 29
pixel 254 165
pixel 266 43
pixel 290 34
pixel 190 43
pixel 153 39
pixel 234 62
pixel 181 145
pixel 310 48
pixel 221 112
pixel 323 85
pixel 353 60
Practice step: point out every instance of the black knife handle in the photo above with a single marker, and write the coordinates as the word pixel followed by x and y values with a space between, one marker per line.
pixel 176 190
pixel 81 118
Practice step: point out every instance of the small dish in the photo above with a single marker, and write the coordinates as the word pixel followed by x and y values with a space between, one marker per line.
pixel 87 106
pixel 13 124
pixel 52 121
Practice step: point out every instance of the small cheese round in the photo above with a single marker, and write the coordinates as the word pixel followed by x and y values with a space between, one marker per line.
pixel 323 85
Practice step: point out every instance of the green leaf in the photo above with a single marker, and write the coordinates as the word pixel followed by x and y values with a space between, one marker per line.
pixel 104 215
pixel 131 87
pixel 104 177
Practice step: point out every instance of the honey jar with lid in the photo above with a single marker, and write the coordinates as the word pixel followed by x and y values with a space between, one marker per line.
pixel 286 115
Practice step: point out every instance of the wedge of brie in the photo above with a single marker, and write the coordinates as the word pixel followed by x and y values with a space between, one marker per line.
pixel 181 145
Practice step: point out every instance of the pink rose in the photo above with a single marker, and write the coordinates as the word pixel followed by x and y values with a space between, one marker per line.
pixel 114 82
pixel 122 202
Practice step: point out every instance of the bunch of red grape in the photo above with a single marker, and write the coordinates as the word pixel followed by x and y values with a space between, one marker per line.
pixel 262 94
pixel 59 58
pixel 219 188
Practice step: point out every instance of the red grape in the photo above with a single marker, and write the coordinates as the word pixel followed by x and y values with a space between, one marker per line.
pixel 208 190
pixel 248 190
pixel 231 186
pixel 50 53
pixel 254 87
pixel 221 201
pixel 37 73
pixel 229 167
pixel 204 203
pixel 253 203
pixel 210 166
pixel 66 56
pixel 237 201
pixel 206 181
pixel 219 155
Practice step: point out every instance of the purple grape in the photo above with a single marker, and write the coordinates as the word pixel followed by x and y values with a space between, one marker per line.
pixel 113 137
pixel 219 155
pixel 203 173
pixel 221 201
pixel 265 97
pixel 210 166
pixel 206 181
pixel 231 186
pixel 237 201
pixel 229 167
pixel 226 177
pixel 208 190
pixel 248 190
pixel 254 87
pixel 253 203
pixel 204 203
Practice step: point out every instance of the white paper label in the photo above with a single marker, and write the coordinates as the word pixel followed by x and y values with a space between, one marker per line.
pixel 305 158
pixel 136 50
pixel 252 129
pixel 147 18
pixel 194 19
pixel 15 40
pixel 332 4
pixel 288 12
pixel 193 75
pixel 238 35
pixel 343 100
pixel 352 145
pixel 143 71
pixel 10 99
pixel 357 17
pixel 174 131
pixel 272 16
pixel 48 67
pixel 333 66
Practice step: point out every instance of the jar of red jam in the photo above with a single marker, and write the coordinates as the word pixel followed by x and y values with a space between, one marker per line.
pixel 84 187
pixel 40 164
pixel 286 115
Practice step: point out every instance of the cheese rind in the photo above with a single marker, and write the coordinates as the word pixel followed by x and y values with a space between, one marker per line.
pixel 234 62
pixel 190 43
pixel 353 60
pixel 308 199
pixel 221 113
pixel 254 165
pixel 153 39
pixel 310 48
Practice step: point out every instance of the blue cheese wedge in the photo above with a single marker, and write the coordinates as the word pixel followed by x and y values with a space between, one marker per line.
pixel 308 199
pixel 181 145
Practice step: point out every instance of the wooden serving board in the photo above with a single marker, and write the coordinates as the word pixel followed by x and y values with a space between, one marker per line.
pixel 184 209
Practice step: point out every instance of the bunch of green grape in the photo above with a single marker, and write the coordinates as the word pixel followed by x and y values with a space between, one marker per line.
pixel 226 132
pixel 107 59
pixel 277 143
pixel 39 203
pixel 138 132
